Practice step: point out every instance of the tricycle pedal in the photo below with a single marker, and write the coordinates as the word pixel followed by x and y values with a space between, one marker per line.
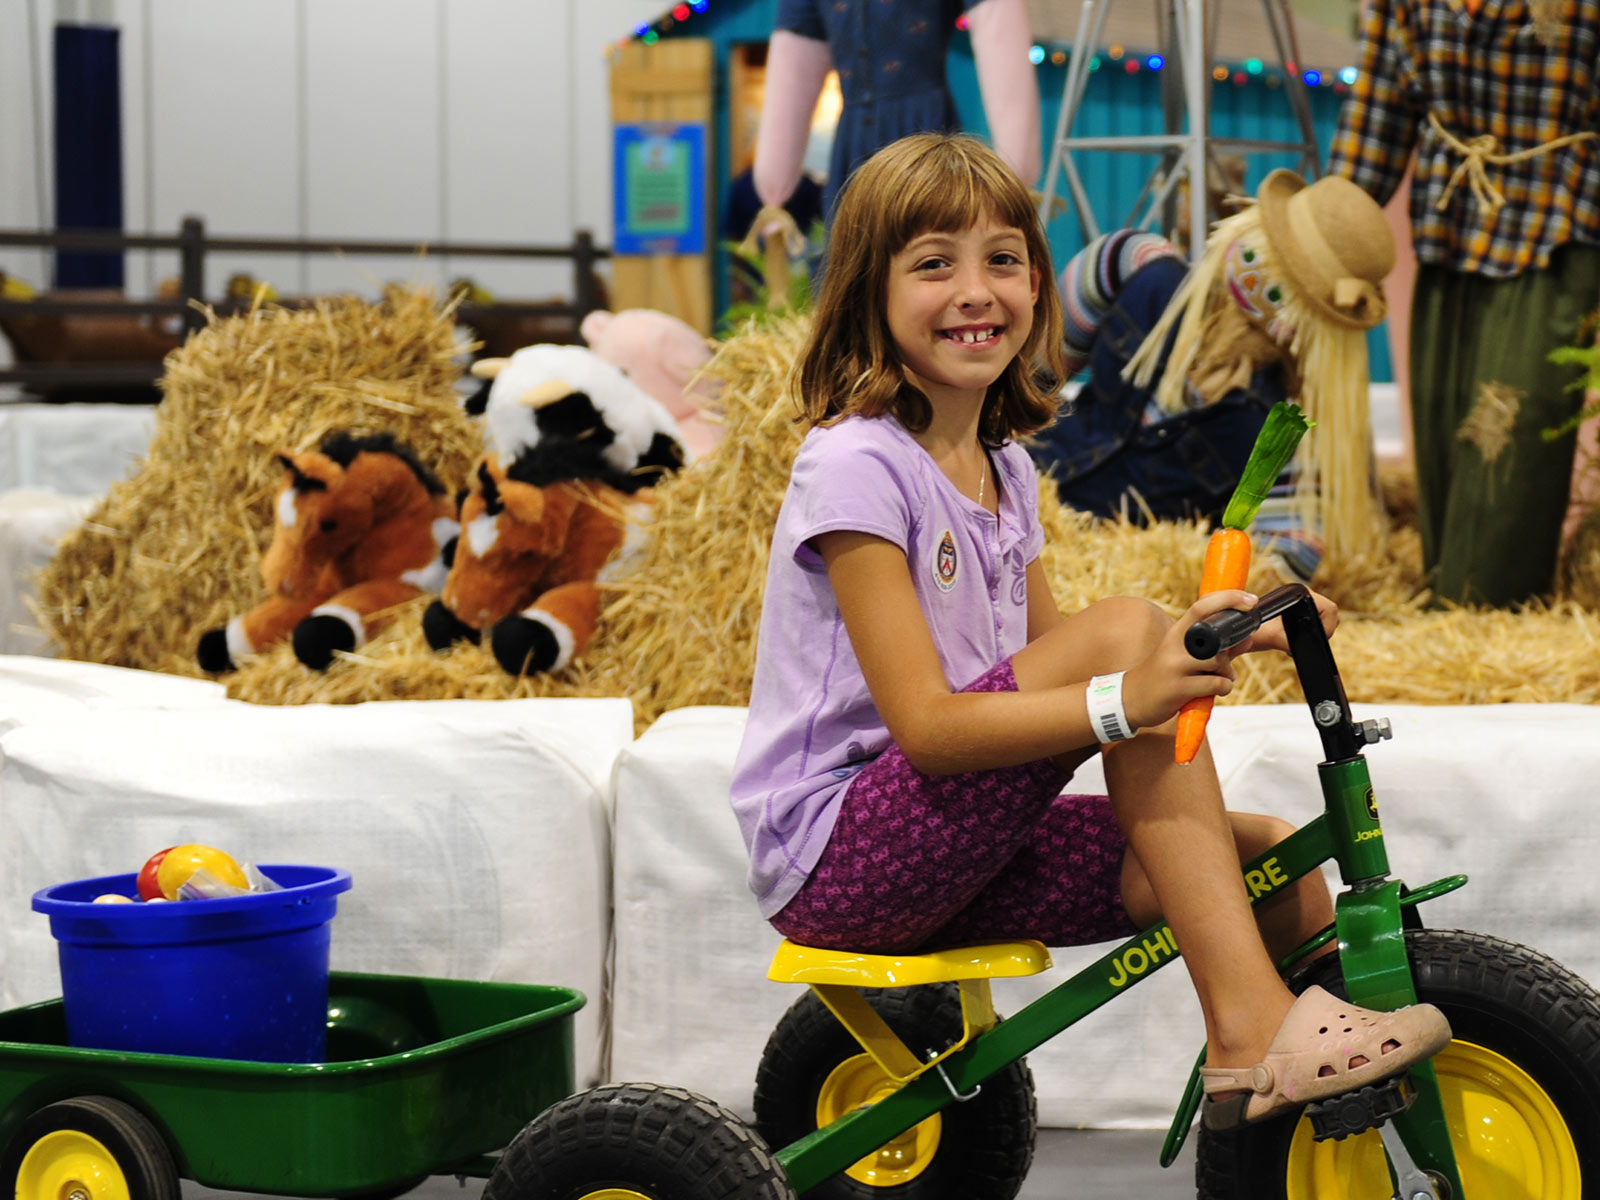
pixel 1360 1110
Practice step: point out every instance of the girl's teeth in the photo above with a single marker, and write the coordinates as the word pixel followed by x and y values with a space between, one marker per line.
pixel 970 335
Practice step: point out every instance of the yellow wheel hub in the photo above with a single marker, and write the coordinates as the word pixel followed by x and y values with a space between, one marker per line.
pixel 69 1165
pixel 857 1083
pixel 1510 1140
pixel 614 1194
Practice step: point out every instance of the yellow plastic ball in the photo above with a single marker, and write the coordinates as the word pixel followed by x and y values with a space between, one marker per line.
pixel 182 862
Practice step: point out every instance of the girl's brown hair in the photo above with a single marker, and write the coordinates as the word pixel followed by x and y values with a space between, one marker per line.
pixel 926 183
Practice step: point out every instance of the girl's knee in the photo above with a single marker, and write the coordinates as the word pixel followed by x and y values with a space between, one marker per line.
pixel 1257 832
pixel 1129 627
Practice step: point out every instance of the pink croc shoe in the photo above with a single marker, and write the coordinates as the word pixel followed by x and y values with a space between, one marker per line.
pixel 1325 1047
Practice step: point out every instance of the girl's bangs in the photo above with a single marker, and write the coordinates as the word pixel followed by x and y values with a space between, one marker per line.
pixel 946 194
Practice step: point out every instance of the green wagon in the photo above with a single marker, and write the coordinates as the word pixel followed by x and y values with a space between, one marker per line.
pixel 423 1077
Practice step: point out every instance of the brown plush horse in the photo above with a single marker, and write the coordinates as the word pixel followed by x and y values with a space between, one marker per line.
pixel 528 566
pixel 361 527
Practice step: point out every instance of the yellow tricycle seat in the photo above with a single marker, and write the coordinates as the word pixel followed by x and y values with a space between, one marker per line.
pixel 835 976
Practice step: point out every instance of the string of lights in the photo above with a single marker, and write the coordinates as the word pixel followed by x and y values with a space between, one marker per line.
pixel 1115 57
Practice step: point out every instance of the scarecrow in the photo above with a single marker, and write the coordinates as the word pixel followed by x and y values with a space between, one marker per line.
pixel 1500 101
pixel 1184 364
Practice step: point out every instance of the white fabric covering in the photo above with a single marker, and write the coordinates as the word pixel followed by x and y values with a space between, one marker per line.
pixel 1503 793
pixel 32 522
pixel 475 831
pixel 477 835
pixel 55 461
pixel 72 448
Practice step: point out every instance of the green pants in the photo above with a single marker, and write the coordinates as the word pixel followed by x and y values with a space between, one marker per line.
pixel 1492 492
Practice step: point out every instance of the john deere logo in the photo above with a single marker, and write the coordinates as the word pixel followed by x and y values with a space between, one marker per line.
pixel 1372 804
pixel 945 566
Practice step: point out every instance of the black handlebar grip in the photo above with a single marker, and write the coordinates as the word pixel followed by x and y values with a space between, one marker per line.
pixel 1205 639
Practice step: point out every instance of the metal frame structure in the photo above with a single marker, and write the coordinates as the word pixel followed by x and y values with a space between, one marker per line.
pixel 1186 32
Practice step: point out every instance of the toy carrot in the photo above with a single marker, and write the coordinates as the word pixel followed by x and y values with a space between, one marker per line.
pixel 1228 552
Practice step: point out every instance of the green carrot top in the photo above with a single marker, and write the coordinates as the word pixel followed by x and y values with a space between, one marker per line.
pixel 1275 446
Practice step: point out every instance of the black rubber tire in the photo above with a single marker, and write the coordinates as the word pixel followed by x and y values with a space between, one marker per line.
pixel 141 1153
pixel 985 1145
pixel 664 1143
pixel 1499 995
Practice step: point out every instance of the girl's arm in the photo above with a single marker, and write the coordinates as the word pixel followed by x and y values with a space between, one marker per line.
pixel 943 732
pixel 1044 614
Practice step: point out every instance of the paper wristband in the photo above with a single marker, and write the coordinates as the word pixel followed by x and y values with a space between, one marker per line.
pixel 1105 709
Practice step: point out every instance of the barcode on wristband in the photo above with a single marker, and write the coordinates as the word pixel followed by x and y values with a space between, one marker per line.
pixel 1106 714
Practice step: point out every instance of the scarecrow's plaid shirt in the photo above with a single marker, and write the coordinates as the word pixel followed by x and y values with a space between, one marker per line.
pixel 1483 73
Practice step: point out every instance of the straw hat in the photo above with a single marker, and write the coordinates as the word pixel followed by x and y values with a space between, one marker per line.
pixel 1333 241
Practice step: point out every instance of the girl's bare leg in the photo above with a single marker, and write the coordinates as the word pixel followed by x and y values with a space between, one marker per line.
pixel 1286 920
pixel 1183 862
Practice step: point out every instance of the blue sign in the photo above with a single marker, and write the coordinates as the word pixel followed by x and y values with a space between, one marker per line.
pixel 659 174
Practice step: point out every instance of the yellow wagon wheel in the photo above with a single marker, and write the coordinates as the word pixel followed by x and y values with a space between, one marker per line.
pixel 88 1148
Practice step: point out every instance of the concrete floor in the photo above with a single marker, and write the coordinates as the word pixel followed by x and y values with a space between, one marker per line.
pixel 1104 1164
pixel 1093 1164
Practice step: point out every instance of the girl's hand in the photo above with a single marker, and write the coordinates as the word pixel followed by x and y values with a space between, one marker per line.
pixel 1272 637
pixel 1157 688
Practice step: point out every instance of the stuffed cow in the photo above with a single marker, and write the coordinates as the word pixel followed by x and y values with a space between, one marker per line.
pixel 663 355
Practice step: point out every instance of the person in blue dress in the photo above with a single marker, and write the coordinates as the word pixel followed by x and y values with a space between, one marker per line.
pixel 891 60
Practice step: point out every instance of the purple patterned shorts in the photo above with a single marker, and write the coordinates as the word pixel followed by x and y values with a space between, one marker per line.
pixel 920 862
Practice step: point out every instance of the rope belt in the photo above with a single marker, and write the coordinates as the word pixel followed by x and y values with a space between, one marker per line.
pixel 1482 149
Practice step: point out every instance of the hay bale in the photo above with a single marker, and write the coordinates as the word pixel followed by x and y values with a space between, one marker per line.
pixel 680 631
pixel 175 548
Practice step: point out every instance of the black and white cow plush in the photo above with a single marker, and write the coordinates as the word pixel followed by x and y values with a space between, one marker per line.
pixel 567 402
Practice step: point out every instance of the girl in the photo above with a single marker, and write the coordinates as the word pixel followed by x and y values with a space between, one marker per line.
pixel 919 701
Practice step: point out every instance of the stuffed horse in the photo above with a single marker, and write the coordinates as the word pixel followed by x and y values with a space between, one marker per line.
pixel 528 566
pixel 573 447
pixel 361 527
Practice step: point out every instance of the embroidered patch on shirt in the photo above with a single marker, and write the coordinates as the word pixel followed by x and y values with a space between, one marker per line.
pixel 945 566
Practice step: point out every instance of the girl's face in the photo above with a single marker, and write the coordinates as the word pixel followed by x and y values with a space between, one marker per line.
pixel 960 307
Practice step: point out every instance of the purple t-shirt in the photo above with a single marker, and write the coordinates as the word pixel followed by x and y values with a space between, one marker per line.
pixel 812 722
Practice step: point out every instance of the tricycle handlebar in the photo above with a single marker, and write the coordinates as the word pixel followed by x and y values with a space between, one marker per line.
pixel 1205 639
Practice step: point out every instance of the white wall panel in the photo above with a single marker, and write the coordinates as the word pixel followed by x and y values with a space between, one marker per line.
pixel 221 134
pixel 25 198
pixel 372 137
pixel 510 149
pixel 413 120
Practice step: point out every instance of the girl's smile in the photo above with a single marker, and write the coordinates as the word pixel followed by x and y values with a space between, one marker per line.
pixel 960 307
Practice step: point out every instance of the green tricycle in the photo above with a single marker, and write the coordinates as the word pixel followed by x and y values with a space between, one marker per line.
pixel 893 1078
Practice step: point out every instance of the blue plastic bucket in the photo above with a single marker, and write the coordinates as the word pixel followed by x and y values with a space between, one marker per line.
pixel 237 977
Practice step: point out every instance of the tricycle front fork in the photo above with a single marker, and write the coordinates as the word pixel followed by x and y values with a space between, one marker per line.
pixel 1372 948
